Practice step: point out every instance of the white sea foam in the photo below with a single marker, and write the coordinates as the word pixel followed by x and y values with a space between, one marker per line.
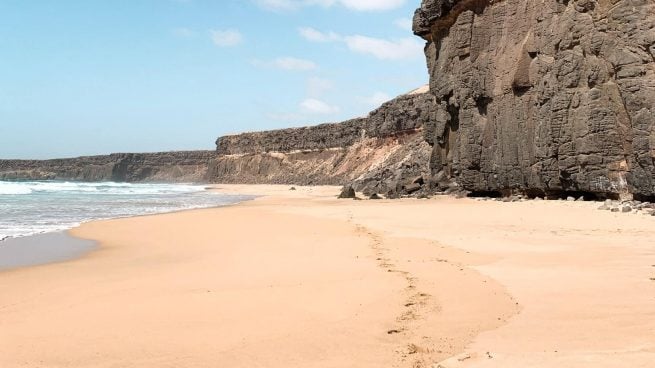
pixel 35 207
pixel 9 188
pixel 16 188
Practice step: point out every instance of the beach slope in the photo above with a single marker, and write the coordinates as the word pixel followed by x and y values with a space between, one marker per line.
pixel 300 279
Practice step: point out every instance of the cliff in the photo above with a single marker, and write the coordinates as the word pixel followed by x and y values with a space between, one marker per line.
pixel 542 96
pixel 188 166
pixel 382 152
pixel 378 152
pixel 405 114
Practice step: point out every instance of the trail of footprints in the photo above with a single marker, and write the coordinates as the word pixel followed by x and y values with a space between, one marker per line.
pixel 416 304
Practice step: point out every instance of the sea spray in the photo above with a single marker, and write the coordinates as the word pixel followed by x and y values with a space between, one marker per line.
pixel 34 207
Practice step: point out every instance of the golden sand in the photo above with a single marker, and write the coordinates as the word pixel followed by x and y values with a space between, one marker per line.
pixel 300 279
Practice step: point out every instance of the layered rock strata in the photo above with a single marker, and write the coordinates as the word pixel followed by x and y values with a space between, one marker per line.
pixel 378 153
pixel 542 96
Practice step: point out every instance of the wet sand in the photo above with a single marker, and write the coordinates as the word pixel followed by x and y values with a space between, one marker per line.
pixel 42 249
pixel 300 279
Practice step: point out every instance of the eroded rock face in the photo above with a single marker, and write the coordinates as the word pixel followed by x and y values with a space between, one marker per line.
pixel 376 154
pixel 403 115
pixel 542 96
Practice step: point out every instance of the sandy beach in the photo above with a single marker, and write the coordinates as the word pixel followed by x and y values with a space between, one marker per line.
pixel 301 279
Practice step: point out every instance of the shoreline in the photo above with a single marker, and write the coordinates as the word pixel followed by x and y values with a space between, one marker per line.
pixel 42 249
pixel 299 278
pixel 51 247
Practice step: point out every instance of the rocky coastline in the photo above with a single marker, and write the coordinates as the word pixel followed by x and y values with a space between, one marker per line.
pixel 550 100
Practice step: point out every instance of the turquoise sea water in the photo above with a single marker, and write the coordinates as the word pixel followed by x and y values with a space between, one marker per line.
pixel 35 207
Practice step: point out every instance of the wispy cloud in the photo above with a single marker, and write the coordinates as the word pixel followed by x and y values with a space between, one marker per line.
pixel 406 48
pixel 400 49
pixel 287 63
pixel 314 106
pixel 286 5
pixel 318 107
pixel 226 38
pixel 313 35
pixel 376 99
pixel 403 23
pixel 316 87
pixel 372 5
pixel 357 5
pixel 183 32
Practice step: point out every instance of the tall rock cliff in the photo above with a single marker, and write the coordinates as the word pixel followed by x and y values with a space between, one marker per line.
pixel 542 96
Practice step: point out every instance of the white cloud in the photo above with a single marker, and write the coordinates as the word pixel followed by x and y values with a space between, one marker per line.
pixel 226 38
pixel 403 23
pixel 317 86
pixel 287 63
pixel 367 5
pixel 290 63
pixel 183 32
pixel 358 5
pixel 401 49
pixel 316 106
pixel 311 34
pixel 286 5
pixel 377 99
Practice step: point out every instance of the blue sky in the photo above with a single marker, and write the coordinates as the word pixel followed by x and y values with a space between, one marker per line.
pixel 96 76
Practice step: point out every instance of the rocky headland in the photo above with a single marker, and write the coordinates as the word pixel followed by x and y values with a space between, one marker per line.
pixel 378 153
pixel 547 97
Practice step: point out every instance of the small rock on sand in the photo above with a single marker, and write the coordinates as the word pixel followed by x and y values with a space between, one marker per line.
pixel 347 192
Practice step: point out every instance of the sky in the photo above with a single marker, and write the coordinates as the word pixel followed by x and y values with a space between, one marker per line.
pixel 84 77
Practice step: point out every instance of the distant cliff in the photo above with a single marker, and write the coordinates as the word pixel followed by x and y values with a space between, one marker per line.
pixel 186 166
pixel 378 153
pixel 542 97
pixel 381 152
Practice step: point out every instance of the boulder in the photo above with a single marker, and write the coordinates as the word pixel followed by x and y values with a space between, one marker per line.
pixel 412 188
pixel 347 192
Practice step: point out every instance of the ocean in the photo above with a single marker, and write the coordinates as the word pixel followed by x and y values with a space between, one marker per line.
pixel 37 207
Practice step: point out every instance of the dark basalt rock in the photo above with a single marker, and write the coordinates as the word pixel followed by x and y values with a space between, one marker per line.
pixel 545 97
pixel 347 192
